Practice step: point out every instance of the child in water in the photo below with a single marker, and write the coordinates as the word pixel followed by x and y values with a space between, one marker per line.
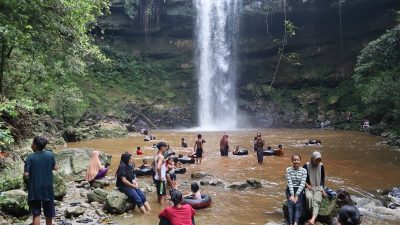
pixel 279 151
pixel 145 164
pixel 183 143
pixel 139 151
pixel 195 191
pixel 171 176
pixel 236 149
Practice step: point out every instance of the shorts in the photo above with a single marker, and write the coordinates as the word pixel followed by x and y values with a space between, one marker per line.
pixel 48 208
pixel 199 153
pixel 160 186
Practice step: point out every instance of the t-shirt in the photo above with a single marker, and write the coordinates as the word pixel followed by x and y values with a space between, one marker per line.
pixel 196 195
pixel 40 166
pixel 178 216
pixel 124 171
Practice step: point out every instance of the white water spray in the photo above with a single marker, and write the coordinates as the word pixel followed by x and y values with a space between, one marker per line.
pixel 217 31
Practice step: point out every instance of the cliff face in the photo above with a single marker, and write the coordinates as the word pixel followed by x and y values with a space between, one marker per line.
pixel 313 82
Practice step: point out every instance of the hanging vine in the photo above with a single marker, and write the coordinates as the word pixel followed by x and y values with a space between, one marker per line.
pixel 290 31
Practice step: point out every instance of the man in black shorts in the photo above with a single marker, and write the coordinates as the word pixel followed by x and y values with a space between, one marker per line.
pixel 39 168
pixel 198 148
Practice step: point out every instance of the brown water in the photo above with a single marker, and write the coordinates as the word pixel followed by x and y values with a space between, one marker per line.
pixel 352 160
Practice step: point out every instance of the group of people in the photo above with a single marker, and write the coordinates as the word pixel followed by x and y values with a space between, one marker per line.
pixel 306 186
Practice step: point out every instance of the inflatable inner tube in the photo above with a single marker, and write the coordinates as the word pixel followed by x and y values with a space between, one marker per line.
pixel 202 203
pixel 268 152
pixel 180 170
pixel 186 160
pixel 144 171
pixel 241 152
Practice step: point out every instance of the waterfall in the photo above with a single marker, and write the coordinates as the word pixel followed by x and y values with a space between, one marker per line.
pixel 217 31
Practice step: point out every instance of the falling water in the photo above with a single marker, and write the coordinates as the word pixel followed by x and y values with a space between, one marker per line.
pixel 217 31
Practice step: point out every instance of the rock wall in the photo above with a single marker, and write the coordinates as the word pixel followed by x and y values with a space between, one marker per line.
pixel 313 81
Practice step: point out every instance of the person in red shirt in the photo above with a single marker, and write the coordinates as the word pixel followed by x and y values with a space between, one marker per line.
pixel 139 151
pixel 178 214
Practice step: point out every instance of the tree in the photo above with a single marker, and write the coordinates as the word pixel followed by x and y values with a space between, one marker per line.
pixel 53 33
pixel 377 77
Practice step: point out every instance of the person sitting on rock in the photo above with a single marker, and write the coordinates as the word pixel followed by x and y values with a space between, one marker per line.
pixel 315 184
pixel 95 170
pixel 139 151
pixel 183 143
pixel 296 178
pixel 127 184
pixel 349 215
pixel 177 214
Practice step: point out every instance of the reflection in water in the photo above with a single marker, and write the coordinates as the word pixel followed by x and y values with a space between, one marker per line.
pixel 352 160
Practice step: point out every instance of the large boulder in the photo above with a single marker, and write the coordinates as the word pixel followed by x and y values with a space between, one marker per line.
pixel 327 211
pixel 14 202
pixel 59 186
pixel 117 202
pixel 73 162
pixel 103 129
pixel 97 195
pixel 11 166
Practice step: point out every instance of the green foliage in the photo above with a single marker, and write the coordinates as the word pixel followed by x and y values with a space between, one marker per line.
pixel 69 104
pixel 44 42
pixel 18 208
pixel 377 77
pixel 10 183
pixel 11 110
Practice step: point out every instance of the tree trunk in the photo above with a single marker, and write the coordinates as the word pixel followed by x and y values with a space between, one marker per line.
pixel 2 65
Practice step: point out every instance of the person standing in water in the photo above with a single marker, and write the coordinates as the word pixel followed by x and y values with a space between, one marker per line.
pixel 314 185
pixel 224 145
pixel 296 179
pixel 160 171
pixel 198 148
pixel 258 146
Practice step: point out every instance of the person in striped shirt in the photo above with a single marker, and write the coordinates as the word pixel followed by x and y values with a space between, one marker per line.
pixel 296 179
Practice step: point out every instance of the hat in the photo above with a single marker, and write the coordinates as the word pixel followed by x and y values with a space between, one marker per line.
pixel 161 144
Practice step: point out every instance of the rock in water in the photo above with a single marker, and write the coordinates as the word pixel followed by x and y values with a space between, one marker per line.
pixel 117 202
pixel 326 213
